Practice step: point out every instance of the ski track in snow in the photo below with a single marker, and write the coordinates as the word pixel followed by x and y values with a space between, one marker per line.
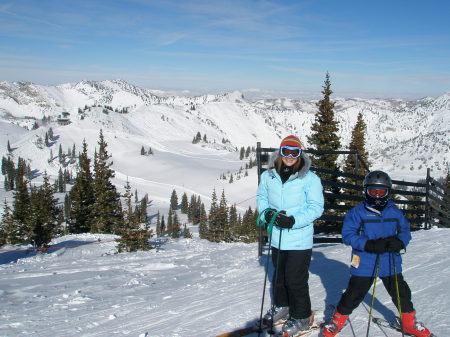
pixel 188 288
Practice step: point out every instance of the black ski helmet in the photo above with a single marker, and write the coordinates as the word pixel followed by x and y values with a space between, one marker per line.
pixel 377 179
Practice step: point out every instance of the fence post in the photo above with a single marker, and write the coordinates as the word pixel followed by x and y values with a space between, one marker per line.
pixel 258 164
pixel 427 201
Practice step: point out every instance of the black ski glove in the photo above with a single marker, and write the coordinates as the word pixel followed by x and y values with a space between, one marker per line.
pixel 284 221
pixel 269 214
pixel 377 246
pixel 394 244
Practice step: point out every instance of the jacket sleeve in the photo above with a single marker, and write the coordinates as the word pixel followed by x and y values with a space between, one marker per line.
pixel 350 229
pixel 405 232
pixel 314 204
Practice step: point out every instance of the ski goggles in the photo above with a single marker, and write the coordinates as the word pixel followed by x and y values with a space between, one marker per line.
pixel 377 192
pixel 290 151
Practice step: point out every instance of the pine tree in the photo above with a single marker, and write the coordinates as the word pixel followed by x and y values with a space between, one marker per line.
pixel 248 231
pixel 61 181
pixel 214 224
pixel 174 200
pixel 143 153
pixel 222 219
pixel 184 204
pixel 82 196
pixel 44 214
pixel 9 233
pixel 133 237
pixel 324 138
pixel 203 223
pixel 106 210
pixel 233 220
pixel 21 205
pixel 242 153
pixel 175 231
pixel 357 144
pixel 324 134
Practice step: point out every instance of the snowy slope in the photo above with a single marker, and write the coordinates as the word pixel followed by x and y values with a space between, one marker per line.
pixel 192 288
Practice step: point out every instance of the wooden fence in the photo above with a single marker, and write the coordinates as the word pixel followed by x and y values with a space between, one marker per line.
pixel 424 204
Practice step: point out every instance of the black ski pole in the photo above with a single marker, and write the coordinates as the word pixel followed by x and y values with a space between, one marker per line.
pixel 399 305
pixel 270 331
pixel 269 229
pixel 264 287
pixel 377 262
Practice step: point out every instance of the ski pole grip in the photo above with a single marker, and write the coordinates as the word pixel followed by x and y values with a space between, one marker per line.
pixel 259 221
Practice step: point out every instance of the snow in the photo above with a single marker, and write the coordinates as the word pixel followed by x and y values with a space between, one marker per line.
pixel 184 288
pixel 192 287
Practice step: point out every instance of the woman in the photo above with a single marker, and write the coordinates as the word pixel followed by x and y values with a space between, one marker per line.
pixel 289 187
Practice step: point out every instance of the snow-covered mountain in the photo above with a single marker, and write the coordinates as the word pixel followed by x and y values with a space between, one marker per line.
pixel 403 137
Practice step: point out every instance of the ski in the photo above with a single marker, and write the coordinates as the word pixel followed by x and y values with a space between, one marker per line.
pixel 256 329
pixel 311 329
pixel 395 325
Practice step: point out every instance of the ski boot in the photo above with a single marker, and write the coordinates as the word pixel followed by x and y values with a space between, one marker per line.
pixel 278 314
pixel 296 325
pixel 412 327
pixel 337 323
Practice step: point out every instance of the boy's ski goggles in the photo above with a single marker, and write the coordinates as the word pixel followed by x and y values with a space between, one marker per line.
pixel 290 151
pixel 377 192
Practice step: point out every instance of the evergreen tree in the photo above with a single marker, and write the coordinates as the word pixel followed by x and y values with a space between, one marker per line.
pixel 203 223
pixel 184 204
pixel 9 233
pixel 21 205
pixel 247 231
pixel 8 147
pixel 324 138
pixel 106 210
pixel 233 220
pixel 163 225
pixel 61 181
pixel 143 153
pixel 82 196
pixel 186 232
pixel 175 231
pixel 174 200
pixel 143 209
pixel 324 135
pixel 358 144
pixel 60 154
pixel 242 153
pixel 44 214
pixel 224 225
pixel 133 237
pixel 158 225
pixel 213 220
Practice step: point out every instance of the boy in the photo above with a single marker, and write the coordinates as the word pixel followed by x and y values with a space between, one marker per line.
pixel 377 230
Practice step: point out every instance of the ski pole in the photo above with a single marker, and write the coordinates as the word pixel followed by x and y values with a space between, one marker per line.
pixel 259 222
pixel 271 332
pixel 399 305
pixel 377 263
pixel 264 287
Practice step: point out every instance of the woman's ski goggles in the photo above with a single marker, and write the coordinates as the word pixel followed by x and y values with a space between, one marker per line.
pixel 290 151
pixel 377 192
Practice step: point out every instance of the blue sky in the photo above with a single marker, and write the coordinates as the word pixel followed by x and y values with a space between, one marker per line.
pixel 396 48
